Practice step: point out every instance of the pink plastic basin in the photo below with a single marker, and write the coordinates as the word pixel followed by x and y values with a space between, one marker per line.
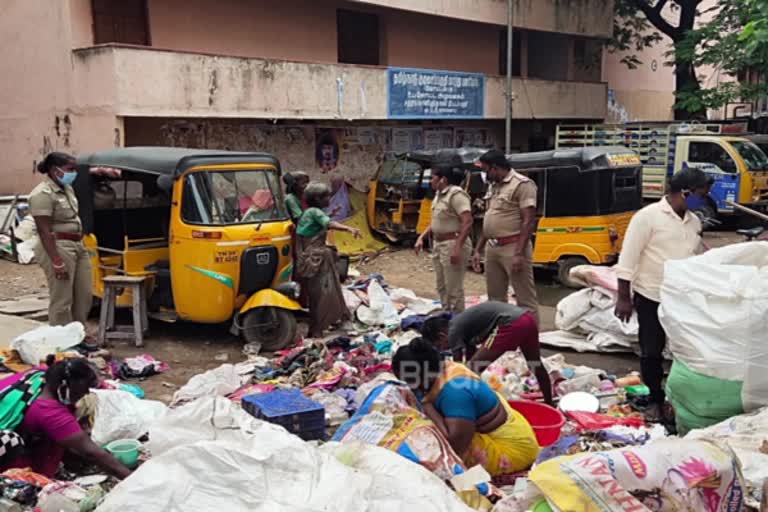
pixel 547 422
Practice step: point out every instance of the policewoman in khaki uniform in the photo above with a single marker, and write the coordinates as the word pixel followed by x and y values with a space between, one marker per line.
pixel 61 252
pixel 450 228
pixel 507 228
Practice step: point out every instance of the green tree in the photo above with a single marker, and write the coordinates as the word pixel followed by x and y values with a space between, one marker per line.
pixel 637 25
pixel 732 42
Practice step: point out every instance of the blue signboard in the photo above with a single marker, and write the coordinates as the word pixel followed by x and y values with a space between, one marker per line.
pixel 428 94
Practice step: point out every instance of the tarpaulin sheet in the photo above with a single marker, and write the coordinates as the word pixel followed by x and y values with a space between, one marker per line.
pixel 345 242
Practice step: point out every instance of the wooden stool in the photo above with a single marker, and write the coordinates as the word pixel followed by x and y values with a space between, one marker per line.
pixel 107 328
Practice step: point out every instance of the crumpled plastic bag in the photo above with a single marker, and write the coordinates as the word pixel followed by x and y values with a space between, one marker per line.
pixel 34 346
pixel 221 381
pixel 335 406
pixel 381 311
pixel 211 455
pixel 120 415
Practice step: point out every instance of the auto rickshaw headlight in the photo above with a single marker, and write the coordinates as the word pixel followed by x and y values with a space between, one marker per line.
pixel 291 289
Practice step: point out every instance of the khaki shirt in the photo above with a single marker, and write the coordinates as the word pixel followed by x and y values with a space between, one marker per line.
pixel 506 200
pixel 447 207
pixel 50 200
pixel 656 234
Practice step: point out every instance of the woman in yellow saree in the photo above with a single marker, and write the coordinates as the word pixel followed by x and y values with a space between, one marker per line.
pixel 478 423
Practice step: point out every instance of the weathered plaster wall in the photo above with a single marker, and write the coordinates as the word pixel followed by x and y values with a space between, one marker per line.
pixel 359 157
pixel 38 109
pixel 150 83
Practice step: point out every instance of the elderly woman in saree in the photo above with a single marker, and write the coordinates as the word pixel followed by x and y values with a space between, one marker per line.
pixel 316 261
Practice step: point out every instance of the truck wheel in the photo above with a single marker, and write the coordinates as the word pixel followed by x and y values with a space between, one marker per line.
pixel 273 328
pixel 564 267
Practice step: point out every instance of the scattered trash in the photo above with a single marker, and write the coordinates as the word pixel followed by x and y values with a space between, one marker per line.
pixel 382 311
pixel 141 367
pixel 223 357
pixel 36 345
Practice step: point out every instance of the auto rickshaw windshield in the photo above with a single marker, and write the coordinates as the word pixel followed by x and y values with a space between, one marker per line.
pixel 232 197
pixel 400 171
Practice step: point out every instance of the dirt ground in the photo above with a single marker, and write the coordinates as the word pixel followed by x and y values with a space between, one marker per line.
pixel 190 349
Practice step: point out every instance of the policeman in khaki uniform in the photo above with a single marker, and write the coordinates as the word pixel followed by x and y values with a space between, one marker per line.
pixel 61 253
pixel 507 229
pixel 450 227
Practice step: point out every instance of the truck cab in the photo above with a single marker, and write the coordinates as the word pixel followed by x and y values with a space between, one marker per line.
pixel 738 166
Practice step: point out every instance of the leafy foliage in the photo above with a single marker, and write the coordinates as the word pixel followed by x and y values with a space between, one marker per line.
pixel 732 42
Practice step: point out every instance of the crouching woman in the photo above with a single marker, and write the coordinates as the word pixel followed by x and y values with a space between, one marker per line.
pixel 479 424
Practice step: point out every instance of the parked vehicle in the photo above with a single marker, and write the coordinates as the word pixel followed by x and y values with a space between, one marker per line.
pixel 738 166
pixel 400 196
pixel 208 228
pixel 586 198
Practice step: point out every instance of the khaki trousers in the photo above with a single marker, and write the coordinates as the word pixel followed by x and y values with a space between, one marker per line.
pixel 71 298
pixel 450 278
pixel 499 275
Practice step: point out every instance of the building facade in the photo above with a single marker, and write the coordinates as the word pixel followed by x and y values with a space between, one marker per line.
pixel 326 85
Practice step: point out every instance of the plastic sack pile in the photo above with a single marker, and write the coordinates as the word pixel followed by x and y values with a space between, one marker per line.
pixel 586 320
pixel 210 455
pixel 714 308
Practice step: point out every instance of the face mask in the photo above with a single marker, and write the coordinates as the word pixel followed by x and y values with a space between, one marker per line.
pixel 68 177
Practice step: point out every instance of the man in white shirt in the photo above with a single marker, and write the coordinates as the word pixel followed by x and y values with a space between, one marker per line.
pixel 662 231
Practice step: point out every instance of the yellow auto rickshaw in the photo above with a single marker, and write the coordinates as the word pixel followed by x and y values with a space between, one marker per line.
pixel 209 230
pixel 400 195
pixel 586 198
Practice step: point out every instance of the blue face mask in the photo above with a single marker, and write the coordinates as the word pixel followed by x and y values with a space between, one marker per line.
pixel 68 177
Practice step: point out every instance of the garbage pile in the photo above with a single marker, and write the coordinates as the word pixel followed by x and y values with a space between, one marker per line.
pixel 325 424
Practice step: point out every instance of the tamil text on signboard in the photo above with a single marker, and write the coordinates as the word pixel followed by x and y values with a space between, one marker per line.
pixel 420 93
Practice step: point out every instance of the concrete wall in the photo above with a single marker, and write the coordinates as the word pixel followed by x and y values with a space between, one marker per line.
pixel 643 94
pixel 586 17
pixel 419 41
pixel 151 83
pixel 306 31
pixel 285 29
pixel 38 109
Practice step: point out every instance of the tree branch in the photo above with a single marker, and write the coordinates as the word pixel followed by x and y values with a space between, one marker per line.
pixel 653 13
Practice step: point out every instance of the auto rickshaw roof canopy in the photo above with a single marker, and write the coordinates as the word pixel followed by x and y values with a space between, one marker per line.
pixel 466 156
pixel 593 158
pixel 170 160
pixel 585 159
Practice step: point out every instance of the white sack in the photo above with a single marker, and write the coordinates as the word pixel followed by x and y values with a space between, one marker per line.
pixel 120 415
pixel 268 470
pixel 746 435
pixel 714 308
pixel 212 418
pixel 34 346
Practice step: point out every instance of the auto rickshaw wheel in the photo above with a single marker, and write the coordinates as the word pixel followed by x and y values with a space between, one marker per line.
pixel 273 328
pixel 564 267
